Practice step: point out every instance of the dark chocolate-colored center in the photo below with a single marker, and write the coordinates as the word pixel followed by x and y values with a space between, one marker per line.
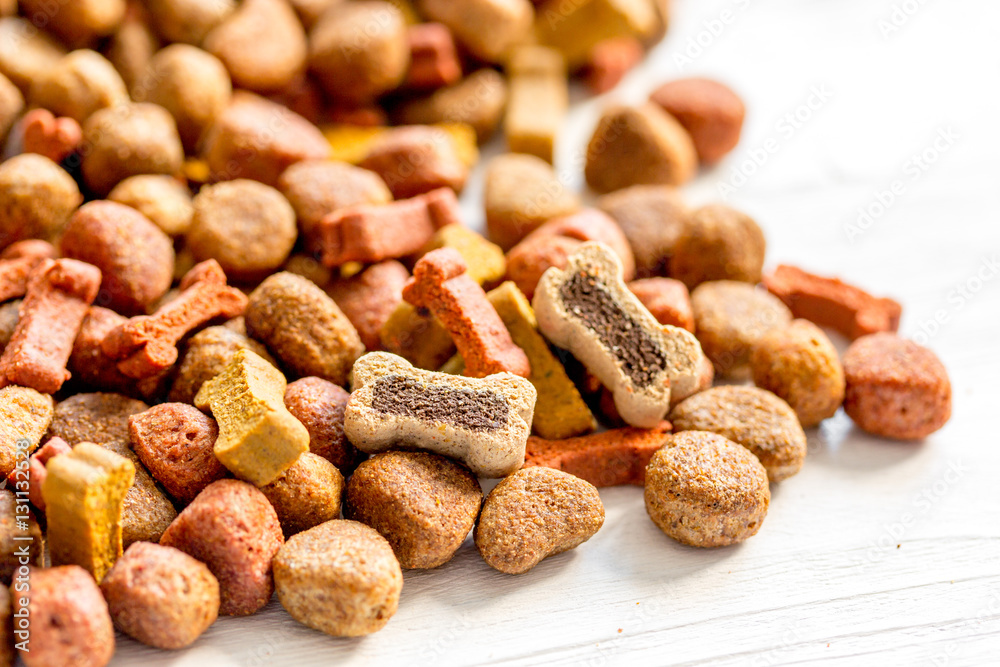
pixel 639 356
pixel 470 409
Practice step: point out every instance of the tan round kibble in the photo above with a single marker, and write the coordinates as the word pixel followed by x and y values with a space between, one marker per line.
pixel 248 227
pixel 79 84
pixel 76 22
pixel 340 578
pixel 163 199
pixel 706 491
pixel 188 21
pixel 536 513
pixel 799 364
pixel 718 243
pixel 26 53
pixel 306 494
pixel 423 504
pixel 37 198
pixel 752 417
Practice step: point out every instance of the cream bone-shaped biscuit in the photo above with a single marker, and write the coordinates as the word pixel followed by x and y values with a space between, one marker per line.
pixel 483 422
pixel 587 309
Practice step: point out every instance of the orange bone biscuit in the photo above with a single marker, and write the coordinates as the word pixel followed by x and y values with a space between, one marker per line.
pixel 17 262
pixel 370 233
pixel 433 58
pixel 59 294
pixel 55 138
pixel 832 303
pixel 440 283
pixel 610 458
pixel 147 345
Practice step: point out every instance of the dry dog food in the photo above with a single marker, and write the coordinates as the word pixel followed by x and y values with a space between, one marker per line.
pixel 59 292
pixel 652 218
pixel 372 233
pixel 340 578
pixel 611 458
pixel 21 541
pixel 666 299
pixel 44 134
pixel 729 318
pixel 752 417
pixel 163 199
pixel 70 624
pixel 84 491
pixel 423 504
pixel 100 418
pixel 587 309
pixel 303 328
pixel 433 58
pixel 161 596
pixel 147 345
pixel 536 105
pixel 306 494
pixel 639 146
pixel 489 29
pixel 417 337
pixel 37 198
pixel 94 369
pixel 895 387
pixel 320 406
pixel 718 243
pixel 533 514
pixel 478 101
pixel 136 259
pixel 175 442
pixel 146 510
pixel 369 298
pixel 706 491
pixel 34 474
pixel 232 528
pixel 799 364
pixel 829 302
pixel 710 111
pixel 441 285
pixel 483 422
pixel 416 160
pixel 205 355
pixel 258 437
pixel 521 193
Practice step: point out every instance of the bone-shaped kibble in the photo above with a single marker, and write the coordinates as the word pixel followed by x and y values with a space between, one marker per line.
pixel 440 284
pixel 587 309
pixel 258 437
pixel 372 232
pixel 483 422
pixel 17 261
pixel 147 345
pixel 58 296
pixel 84 491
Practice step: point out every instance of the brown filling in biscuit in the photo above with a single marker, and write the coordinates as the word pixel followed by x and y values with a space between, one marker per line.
pixel 470 409
pixel 639 356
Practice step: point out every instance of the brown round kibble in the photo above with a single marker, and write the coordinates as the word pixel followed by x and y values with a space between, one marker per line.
pixel 26 53
pixel 99 418
pixel 718 243
pixel 706 491
pixel 79 84
pixel 161 596
pixel 536 513
pixel 896 388
pixel 163 199
pixel 77 22
pixel 193 85
pixel 127 140
pixel 132 46
pixel 175 442
pixel 188 21
pixel 710 111
pixel 232 528
pixel 359 70
pixel 306 494
pixel 316 188
pixel 37 197
pixel 423 504
pixel 262 44
pixel 136 259
pixel 340 578
pixel 478 100
pixel 729 319
pixel 248 227
pixel 70 623
pixel 799 364
pixel 752 417
pixel 206 354
pixel 303 327
pixel 319 405
pixel 652 217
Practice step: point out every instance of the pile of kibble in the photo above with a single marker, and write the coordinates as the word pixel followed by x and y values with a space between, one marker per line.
pixel 238 301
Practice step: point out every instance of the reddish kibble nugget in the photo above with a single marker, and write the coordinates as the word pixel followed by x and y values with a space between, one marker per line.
pixel 320 406
pixel 232 528
pixel 175 442
pixel 610 60
pixel 370 297
pixel 433 57
pixel 415 160
pixel 17 262
pixel 97 371
pixel 55 138
pixel 710 111
pixel 895 387
pixel 667 299
pixel 59 293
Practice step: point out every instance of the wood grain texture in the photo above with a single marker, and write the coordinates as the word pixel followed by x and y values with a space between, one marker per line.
pixel 878 552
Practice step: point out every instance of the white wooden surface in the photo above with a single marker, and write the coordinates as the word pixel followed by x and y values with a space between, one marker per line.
pixel 878 552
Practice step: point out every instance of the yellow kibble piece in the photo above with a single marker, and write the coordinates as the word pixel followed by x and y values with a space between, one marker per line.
pixel 486 261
